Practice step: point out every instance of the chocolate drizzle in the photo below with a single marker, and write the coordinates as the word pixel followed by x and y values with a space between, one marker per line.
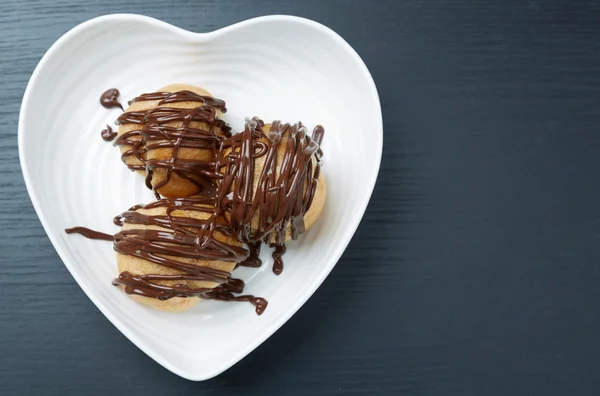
pixel 108 134
pixel 277 261
pixel 284 191
pixel 143 285
pixel 221 295
pixel 109 99
pixel 181 96
pixel 178 238
pixel 252 261
pixel 157 132
pixel 252 204
pixel 224 293
pixel 86 232
pixel 183 236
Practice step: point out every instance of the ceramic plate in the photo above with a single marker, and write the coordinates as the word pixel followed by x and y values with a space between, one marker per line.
pixel 274 67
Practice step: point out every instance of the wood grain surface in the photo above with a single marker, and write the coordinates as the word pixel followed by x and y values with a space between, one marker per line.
pixel 475 270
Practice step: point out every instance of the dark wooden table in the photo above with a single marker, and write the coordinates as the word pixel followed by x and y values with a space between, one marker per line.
pixel 476 269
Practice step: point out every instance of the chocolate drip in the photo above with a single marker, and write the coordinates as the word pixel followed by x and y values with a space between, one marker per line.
pixel 110 99
pixel 252 260
pixel 224 292
pixel 154 134
pixel 108 134
pixel 277 261
pixel 284 191
pixel 217 294
pixel 233 286
pixel 91 234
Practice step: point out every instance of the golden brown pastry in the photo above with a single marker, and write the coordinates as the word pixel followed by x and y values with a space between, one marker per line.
pixel 272 189
pixel 311 215
pixel 166 257
pixel 172 137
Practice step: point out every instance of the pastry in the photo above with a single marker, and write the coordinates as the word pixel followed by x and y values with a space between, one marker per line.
pixel 172 136
pixel 170 253
pixel 223 193
pixel 272 188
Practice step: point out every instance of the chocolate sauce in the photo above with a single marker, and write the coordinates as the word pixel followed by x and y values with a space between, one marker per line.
pixel 110 99
pixel 108 134
pixel 233 203
pixel 197 128
pixel 259 302
pixel 181 96
pixel 224 292
pixel 284 191
pixel 86 232
pixel 183 236
pixel 252 261
pixel 277 261
pixel 233 285
pixel 180 237
pixel 142 286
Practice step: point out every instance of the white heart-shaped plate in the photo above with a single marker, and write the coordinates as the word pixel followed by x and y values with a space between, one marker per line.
pixel 274 67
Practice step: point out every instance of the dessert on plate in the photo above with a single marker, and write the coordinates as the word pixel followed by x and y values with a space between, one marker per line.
pixel 219 196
